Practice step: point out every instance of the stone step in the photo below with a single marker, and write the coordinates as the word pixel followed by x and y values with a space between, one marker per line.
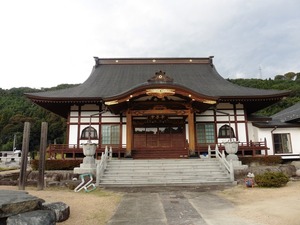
pixel 162 169
pixel 165 183
pixel 164 172
pixel 164 179
pixel 150 162
pixel 169 166
pixel 162 160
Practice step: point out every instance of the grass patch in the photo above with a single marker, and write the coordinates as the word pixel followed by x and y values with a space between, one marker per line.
pixel 7 168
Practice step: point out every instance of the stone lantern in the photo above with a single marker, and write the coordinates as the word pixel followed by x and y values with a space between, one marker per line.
pixel 231 148
pixel 89 164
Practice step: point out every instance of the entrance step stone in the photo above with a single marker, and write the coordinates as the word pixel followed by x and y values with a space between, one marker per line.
pixel 37 217
pixel 170 172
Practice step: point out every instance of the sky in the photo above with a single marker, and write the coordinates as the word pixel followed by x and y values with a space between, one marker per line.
pixel 47 43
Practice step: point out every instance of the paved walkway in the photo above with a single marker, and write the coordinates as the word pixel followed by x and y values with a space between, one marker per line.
pixel 175 208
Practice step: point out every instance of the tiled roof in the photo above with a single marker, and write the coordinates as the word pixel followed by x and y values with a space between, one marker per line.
pixel 289 114
pixel 289 117
pixel 114 77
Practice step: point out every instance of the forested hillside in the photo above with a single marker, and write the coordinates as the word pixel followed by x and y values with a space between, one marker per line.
pixel 279 83
pixel 15 109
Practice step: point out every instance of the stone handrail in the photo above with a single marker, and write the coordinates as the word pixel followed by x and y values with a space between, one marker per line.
pixel 228 165
pixel 101 166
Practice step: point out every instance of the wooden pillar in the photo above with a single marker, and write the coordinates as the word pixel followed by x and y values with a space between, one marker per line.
pixel 128 134
pixel 191 125
pixel 24 156
pixel 42 154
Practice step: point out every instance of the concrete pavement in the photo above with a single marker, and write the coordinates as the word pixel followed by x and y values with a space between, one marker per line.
pixel 179 206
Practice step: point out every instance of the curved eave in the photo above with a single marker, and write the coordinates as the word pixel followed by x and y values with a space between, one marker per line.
pixel 272 96
pixel 253 104
pixel 61 106
pixel 141 90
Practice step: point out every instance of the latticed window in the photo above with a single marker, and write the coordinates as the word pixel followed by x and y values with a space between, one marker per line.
pixel 226 132
pixel 89 132
pixel 110 134
pixel 282 143
pixel 205 133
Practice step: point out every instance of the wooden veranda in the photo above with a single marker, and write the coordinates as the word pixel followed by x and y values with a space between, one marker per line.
pixel 66 151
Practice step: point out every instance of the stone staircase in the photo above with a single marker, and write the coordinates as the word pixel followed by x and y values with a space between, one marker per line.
pixel 160 153
pixel 164 172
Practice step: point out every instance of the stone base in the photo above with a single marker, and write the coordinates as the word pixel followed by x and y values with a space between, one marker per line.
pixel 79 170
pixel 84 168
pixel 232 157
pixel 237 165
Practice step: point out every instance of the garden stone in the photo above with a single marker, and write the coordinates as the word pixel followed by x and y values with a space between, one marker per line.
pixel 15 202
pixel 296 164
pixel 61 210
pixel 289 170
pixel 298 173
pixel 37 217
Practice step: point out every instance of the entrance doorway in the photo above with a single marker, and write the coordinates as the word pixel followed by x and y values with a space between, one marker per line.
pixel 159 132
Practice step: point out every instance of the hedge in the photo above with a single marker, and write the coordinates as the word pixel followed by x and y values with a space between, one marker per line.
pixel 262 160
pixel 57 164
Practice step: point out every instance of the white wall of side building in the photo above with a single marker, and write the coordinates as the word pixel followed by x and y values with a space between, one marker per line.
pixel 294 134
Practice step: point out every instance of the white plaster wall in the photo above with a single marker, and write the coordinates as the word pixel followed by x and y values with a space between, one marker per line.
pixel 73 134
pixel 295 138
pixel 207 113
pixel 74 113
pixel 89 113
pixel 204 119
pixel 124 135
pixel 252 132
pixel 74 120
pixel 242 132
pixel 294 133
pixel 267 133
pixel 108 114
pixel 240 118
pixel 263 133
pixel 110 119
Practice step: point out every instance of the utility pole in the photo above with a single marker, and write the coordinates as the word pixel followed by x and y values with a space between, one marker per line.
pixel 260 72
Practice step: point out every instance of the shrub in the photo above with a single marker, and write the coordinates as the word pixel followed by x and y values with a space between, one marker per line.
pixel 263 160
pixel 57 164
pixel 271 179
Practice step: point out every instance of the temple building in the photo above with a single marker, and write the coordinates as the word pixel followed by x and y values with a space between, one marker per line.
pixel 158 108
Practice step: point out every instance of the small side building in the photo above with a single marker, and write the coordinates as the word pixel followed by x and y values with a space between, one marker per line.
pixel 282 131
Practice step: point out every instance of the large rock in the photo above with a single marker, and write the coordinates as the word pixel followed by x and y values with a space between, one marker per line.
pixel 61 210
pixel 296 164
pixel 289 170
pixel 15 202
pixel 38 217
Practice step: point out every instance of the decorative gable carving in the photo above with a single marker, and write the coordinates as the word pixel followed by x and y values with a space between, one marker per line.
pixel 160 77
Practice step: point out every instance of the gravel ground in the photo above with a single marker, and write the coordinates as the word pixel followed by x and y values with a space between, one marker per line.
pixel 268 206
pixel 93 208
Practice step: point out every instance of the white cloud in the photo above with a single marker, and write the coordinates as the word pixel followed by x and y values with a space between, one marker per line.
pixel 46 43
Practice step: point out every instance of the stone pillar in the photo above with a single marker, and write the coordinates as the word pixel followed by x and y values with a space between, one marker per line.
pixel 128 134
